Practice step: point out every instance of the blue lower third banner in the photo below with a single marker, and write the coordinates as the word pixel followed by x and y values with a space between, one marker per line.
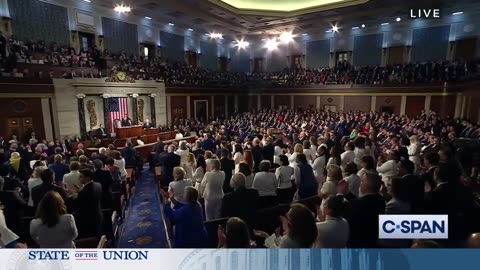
pixel 239 259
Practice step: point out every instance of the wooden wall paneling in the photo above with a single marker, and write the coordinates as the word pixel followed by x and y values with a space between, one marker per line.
pixel 283 101
pixel 28 114
pixel 265 102
pixel 243 103
pixel 443 105
pixel 178 107
pixel 357 103
pixel 330 101
pixel 219 106
pixel 414 105
pixel 388 102
pixel 304 102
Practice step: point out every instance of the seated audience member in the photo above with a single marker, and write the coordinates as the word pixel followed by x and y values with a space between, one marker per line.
pixel 227 165
pixel 241 202
pixel 353 180
pixel 188 219
pixel 60 169
pixel 266 183
pixel 333 230
pixel 53 227
pixel 89 206
pixel 47 185
pixel 168 161
pixel 246 170
pixel 212 188
pixel 284 175
pixel 299 229
pixel 104 177
pixel 34 181
pixel 177 186
pixel 305 180
pixel 235 235
pixel 364 211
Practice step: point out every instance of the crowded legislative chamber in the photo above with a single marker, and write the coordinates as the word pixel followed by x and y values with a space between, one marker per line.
pixel 237 124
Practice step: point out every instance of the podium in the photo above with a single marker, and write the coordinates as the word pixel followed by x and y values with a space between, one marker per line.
pixel 127 132
pixel 135 131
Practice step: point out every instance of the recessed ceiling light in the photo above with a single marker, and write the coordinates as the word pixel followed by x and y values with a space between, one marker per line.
pixel 190 29
pixel 457 13
pixel 329 31
pixel 335 28
pixel 122 9
pixel 242 44
pixel 398 19
pixel 286 37
pixel 363 25
pixel 385 23
pixel 304 34
pixel 88 1
pixel 148 18
pixel 171 24
pixel 355 27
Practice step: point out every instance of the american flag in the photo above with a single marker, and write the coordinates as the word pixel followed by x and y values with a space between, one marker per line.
pixel 118 107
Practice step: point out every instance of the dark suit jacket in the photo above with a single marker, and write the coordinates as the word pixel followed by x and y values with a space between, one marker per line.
pixel 101 134
pixel 86 166
pixel 168 161
pixel 131 156
pixel 105 179
pixel 268 152
pixel 227 165
pixel 39 191
pixel 147 125
pixel 59 169
pixel 363 220
pixel 257 157
pixel 242 203
pixel 416 193
pixel 89 210
pixel 127 122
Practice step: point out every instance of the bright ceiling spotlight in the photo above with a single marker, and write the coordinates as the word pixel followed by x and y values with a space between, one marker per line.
pixel 304 34
pixel 385 23
pixel 457 13
pixel 355 27
pixel 171 24
pixel 122 9
pixel 242 44
pixel 286 37
pixel 271 44
pixel 335 28
pixel 398 19
pixel 148 18
pixel 363 25
pixel 216 35
pixel 190 29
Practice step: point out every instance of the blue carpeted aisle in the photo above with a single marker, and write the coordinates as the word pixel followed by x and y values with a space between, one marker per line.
pixel 144 225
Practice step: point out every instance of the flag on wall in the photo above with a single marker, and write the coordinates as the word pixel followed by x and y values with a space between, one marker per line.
pixel 118 107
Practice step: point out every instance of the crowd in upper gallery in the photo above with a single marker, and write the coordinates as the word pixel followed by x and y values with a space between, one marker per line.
pixel 94 63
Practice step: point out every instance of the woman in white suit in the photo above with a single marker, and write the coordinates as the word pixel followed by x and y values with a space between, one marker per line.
pixel 414 150
pixel 212 186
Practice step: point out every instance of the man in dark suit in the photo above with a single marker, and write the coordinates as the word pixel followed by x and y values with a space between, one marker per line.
pixel 415 186
pixel 268 150
pixel 126 121
pixel 102 155
pixel 363 213
pixel 257 154
pixel 89 206
pixel 102 132
pixel 147 124
pixel 168 161
pixel 84 163
pixel 105 179
pixel 430 161
pixel 60 169
pixel 227 165
pixel 132 158
pixel 241 202
pixel 47 185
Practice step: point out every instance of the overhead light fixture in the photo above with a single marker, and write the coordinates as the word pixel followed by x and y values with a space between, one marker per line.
pixel 355 27
pixel 385 23
pixel 190 29
pixel 122 9
pixel 398 19
pixel 304 34
pixel 88 1
pixel 242 44
pixel 457 13
pixel 263 39
pixel 171 24
pixel 363 25
pixel 286 37
pixel 335 28
pixel 329 31
pixel 271 44
pixel 148 18
pixel 216 36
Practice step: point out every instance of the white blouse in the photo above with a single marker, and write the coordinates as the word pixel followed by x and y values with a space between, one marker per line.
pixel 284 176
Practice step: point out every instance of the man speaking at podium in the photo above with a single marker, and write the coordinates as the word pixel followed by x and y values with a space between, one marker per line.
pixel 126 121
pixel 147 124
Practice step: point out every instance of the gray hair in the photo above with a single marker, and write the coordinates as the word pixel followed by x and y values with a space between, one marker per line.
pixel 238 180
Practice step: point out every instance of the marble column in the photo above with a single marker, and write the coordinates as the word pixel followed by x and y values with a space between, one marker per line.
pixel 153 120
pixel 81 115
pixel 135 108
pixel 106 112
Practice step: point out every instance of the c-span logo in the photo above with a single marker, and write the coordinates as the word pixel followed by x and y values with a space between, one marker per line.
pixel 413 227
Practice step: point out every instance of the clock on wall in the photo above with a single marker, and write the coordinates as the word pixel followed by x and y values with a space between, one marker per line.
pixel 121 76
